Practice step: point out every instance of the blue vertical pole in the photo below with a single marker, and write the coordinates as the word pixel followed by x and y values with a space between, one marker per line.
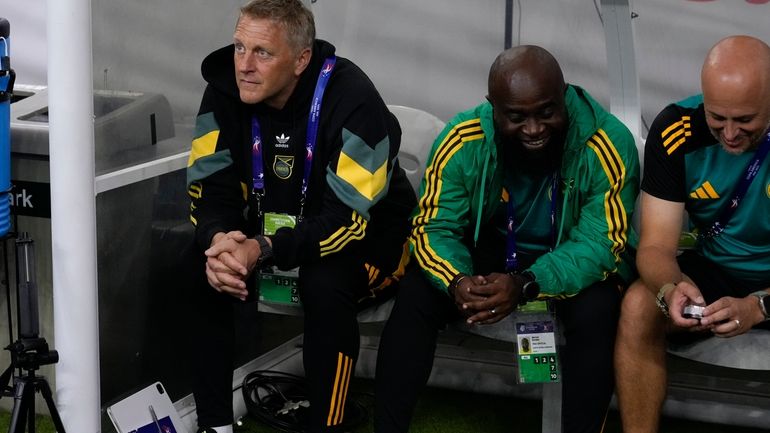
pixel 6 90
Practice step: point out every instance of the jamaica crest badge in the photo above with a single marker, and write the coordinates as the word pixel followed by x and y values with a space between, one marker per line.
pixel 283 166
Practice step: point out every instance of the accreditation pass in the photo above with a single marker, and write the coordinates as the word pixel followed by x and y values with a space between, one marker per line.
pixel 538 361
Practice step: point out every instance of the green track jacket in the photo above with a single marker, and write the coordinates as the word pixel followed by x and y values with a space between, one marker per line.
pixel 463 184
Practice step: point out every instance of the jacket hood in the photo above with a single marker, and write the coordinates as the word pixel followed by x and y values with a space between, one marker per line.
pixel 585 116
pixel 218 69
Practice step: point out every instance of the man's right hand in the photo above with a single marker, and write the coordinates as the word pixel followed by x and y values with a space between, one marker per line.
pixel 683 294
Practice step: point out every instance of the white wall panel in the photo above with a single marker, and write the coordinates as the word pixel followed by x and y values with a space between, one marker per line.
pixel 672 38
pixel 429 54
pixel 435 55
pixel 158 45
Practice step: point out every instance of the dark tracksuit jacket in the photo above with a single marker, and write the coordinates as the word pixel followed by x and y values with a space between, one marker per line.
pixel 350 242
pixel 358 196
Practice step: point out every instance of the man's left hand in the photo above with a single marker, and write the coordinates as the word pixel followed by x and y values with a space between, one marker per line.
pixel 728 316
pixel 502 292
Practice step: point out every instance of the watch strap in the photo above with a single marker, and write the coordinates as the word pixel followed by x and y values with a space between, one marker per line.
pixel 660 299
pixel 762 297
pixel 530 289
pixel 528 276
pixel 455 282
pixel 265 251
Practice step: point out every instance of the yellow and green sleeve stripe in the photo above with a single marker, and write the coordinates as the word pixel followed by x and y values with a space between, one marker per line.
pixel 614 209
pixel 427 257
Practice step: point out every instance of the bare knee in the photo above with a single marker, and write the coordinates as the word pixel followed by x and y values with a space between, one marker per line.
pixel 639 313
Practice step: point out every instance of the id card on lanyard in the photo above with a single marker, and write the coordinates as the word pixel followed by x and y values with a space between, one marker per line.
pixel 536 343
pixel 275 285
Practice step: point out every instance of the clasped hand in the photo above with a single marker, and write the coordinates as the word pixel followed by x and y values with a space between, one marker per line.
pixel 487 299
pixel 229 261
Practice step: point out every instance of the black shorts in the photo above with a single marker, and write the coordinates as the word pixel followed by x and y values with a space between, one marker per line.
pixel 712 280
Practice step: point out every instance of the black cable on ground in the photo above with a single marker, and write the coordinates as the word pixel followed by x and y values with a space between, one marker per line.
pixel 280 401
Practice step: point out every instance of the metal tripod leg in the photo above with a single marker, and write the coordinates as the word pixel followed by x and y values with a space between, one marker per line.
pixel 20 401
pixel 24 404
pixel 45 390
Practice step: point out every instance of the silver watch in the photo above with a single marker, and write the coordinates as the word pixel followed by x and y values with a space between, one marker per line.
pixel 660 299
pixel 764 302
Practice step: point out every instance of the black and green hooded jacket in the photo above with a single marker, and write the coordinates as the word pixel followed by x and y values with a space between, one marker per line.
pixel 357 197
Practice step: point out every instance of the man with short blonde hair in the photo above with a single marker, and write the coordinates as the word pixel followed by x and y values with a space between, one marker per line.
pixel 293 177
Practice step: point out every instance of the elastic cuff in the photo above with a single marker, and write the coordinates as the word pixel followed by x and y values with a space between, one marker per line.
pixel 454 283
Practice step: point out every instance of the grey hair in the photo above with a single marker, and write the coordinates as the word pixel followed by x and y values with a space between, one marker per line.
pixel 292 14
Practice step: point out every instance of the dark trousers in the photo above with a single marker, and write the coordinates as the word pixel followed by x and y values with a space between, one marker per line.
pixel 211 345
pixel 408 344
pixel 329 290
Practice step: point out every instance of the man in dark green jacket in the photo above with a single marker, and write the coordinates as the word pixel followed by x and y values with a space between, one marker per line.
pixel 533 188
